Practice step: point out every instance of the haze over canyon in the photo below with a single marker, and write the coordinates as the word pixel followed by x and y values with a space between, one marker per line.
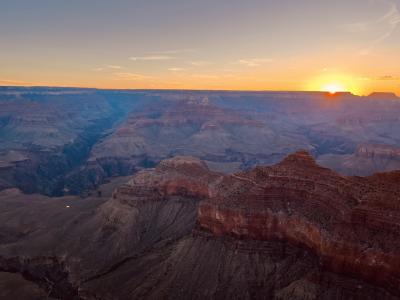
pixel 156 194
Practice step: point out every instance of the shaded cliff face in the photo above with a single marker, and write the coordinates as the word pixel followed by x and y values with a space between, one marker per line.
pixel 291 231
pixel 46 136
pixel 88 238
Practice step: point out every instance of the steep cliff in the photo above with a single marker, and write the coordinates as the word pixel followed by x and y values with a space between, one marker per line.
pixel 351 224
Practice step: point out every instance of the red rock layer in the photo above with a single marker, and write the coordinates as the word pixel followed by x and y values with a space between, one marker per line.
pixel 178 176
pixel 351 223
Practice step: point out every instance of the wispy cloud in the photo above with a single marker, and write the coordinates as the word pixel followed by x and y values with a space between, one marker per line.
pixel 254 62
pixel 151 57
pixel 13 82
pixel 176 69
pixel 385 24
pixel 383 78
pixel 111 67
pixel 388 77
pixel 130 76
pixel 115 67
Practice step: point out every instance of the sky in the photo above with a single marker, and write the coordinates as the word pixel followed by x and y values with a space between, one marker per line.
pixel 351 45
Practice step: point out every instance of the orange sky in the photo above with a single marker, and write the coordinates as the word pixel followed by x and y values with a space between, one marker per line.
pixel 229 44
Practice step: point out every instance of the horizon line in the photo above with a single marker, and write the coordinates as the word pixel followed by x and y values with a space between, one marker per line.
pixel 198 90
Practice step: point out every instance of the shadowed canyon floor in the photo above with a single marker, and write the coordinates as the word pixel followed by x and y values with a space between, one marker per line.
pixel 294 230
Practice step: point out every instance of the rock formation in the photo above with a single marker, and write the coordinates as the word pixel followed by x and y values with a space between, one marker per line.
pixel 291 206
pixel 352 224
pixel 366 160
pixel 291 231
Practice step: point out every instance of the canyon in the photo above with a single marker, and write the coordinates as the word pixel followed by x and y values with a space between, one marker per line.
pixel 60 141
pixel 294 230
pixel 149 194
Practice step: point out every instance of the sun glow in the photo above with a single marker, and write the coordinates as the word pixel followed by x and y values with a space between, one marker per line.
pixel 334 83
pixel 333 88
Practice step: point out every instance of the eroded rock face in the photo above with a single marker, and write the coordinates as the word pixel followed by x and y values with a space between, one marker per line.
pixel 59 141
pixel 252 225
pixel 366 160
pixel 180 231
pixel 194 124
pixel 350 223
pixel 183 176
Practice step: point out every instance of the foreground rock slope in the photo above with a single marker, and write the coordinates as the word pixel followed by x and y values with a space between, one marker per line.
pixel 180 231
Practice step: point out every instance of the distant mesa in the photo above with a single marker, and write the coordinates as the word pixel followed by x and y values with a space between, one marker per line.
pixel 383 95
pixel 339 94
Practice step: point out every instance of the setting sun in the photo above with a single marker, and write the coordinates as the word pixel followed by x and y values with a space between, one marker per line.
pixel 336 82
pixel 333 88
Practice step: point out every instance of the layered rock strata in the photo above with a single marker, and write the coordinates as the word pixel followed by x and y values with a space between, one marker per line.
pixel 351 223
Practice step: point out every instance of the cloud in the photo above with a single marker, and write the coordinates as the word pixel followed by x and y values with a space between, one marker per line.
pixel 13 82
pixel 130 76
pixel 385 24
pixel 161 55
pixel 254 62
pixel 114 67
pixel 151 57
pixel 176 69
pixel 388 77
pixel 390 19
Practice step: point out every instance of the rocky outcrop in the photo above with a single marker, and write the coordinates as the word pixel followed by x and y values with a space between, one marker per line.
pixel 178 176
pixel 49 273
pixel 366 160
pixel 294 230
pixel 352 224
pixel 378 151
